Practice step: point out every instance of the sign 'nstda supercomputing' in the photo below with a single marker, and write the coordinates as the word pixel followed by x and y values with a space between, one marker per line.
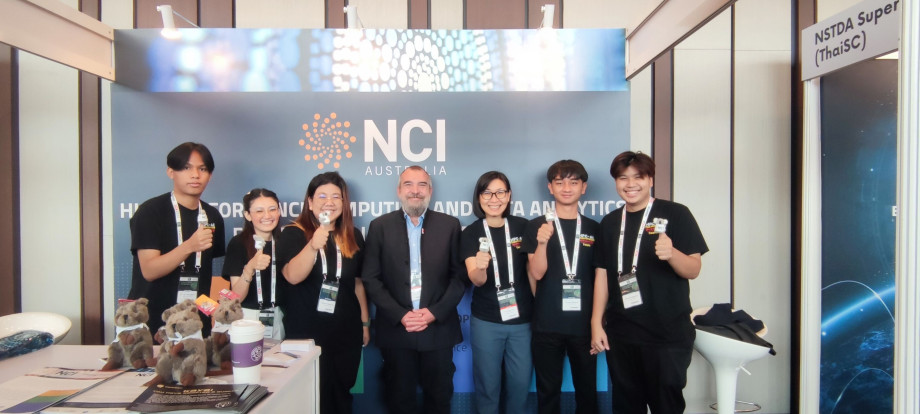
pixel 867 30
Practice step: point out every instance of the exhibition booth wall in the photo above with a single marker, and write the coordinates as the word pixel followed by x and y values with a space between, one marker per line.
pixel 731 165
pixel 347 100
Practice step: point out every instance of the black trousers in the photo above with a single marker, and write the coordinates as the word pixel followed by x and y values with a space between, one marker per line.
pixel 338 369
pixel 405 369
pixel 648 375
pixel 549 351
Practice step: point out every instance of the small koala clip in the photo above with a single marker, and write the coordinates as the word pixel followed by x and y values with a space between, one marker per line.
pixel 484 244
pixel 661 225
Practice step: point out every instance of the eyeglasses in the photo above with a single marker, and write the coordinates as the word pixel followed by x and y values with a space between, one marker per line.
pixel 487 195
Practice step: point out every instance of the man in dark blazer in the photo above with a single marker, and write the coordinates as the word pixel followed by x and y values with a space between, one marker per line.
pixel 413 273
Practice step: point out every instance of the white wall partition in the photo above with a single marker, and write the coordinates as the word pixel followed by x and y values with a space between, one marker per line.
pixel 702 171
pixel 762 197
pixel 281 13
pixel 49 186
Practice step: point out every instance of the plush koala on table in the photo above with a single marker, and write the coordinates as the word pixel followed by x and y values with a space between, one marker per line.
pixel 133 345
pixel 217 344
pixel 160 336
pixel 182 357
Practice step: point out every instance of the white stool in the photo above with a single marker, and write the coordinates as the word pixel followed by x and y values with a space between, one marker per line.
pixel 727 356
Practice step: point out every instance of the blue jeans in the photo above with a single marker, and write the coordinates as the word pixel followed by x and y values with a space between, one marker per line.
pixel 493 344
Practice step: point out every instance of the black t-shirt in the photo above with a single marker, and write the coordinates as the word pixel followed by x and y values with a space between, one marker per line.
pixel 664 315
pixel 153 226
pixel 548 315
pixel 485 300
pixel 301 318
pixel 236 259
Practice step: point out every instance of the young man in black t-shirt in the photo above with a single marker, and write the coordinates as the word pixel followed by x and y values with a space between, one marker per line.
pixel 563 266
pixel 648 335
pixel 175 235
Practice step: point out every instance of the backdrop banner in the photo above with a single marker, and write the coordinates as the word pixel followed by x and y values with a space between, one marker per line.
pixel 859 172
pixel 280 140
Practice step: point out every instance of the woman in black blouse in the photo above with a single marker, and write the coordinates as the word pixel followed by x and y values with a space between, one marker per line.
pixel 249 266
pixel 502 298
pixel 320 257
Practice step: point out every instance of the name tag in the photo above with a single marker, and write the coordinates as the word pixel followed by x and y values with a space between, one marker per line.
pixel 188 287
pixel 629 289
pixel 327 297
pixel 267 317
pixel 571 295
pixel 416 290
pixel 507 304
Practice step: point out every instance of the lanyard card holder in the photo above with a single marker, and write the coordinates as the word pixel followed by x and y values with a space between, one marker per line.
pixel 416 288
pixel 267 317
pixel 188 286
pixel 327 296
pixel 571 295
pixel 507 304
pixel 629 288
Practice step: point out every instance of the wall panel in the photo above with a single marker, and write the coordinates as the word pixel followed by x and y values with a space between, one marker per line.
pixel 216 13
pixel 762 214
pixel 119 15
pixel 605 14
pixel 447 14
pixel 535 13
pixel 50 189
pixel 702 171
pixel 9 183
pixel 146 15
pixel 90 198
pixel 762 203
pixel 300 14
pixel 489 14
pixel 382 14
pixel 640 111
pixel 419 14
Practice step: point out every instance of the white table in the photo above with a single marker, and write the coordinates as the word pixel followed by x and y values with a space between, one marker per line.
pixel 294 389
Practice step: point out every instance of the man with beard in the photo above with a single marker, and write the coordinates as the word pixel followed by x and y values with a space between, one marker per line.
pixel 414 274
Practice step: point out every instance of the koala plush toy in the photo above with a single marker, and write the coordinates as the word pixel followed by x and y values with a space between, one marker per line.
pixel 182 357
pixel 133 345
pixel 160 336
pixel 217 344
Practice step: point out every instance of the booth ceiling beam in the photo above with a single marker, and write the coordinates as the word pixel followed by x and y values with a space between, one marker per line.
pixel 53 30
pixel 665 27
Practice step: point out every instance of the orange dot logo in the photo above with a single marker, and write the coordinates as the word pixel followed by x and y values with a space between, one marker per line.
pixel 325 138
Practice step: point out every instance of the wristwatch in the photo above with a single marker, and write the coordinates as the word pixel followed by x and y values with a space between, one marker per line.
pixel 368 323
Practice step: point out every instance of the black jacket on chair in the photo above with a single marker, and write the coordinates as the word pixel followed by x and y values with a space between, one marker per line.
pixel 386 276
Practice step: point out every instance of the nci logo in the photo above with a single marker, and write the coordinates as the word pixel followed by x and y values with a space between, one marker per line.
pixel 328 141
pixel 399 139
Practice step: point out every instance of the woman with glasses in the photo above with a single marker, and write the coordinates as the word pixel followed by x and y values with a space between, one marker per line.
pixel 250 265
pixel 320 257
pixel 502 297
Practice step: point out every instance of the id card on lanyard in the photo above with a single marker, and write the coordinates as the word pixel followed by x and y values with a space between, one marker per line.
pixel 507 300
pixel 329 291
pixel 629 282
pixel 267 315
pixel 188 281
pixel 571 286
